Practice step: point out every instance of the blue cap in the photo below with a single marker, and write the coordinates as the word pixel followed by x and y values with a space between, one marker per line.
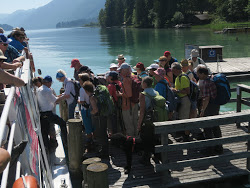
pixel 4 39
pixel 47 79
pixel 59 75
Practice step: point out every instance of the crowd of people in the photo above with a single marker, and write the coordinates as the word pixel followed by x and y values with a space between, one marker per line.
pixel 131 93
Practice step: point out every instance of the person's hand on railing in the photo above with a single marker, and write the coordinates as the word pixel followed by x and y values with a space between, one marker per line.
pixel 16 65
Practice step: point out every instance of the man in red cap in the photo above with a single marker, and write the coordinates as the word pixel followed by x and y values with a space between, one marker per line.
pixel 170 59
pixel 77 65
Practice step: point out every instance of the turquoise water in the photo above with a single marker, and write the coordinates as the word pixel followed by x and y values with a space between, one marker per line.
pixel 53 49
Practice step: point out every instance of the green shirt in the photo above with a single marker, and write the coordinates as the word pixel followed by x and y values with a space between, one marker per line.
pixel 181 82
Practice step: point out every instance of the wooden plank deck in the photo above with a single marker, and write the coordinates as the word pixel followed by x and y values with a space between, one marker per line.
pixel 230 65
pixel 142 176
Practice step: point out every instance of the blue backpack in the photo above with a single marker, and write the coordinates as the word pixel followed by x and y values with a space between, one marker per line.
pixel 223 89
pixel 172 99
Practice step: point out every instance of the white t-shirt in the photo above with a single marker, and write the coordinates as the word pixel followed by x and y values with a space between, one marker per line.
pixel 46 99
pixel 84 97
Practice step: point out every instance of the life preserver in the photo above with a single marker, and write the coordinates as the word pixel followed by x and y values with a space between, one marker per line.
pixel 30 181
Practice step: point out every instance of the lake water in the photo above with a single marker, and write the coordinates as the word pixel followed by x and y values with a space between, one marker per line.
pixel 54 49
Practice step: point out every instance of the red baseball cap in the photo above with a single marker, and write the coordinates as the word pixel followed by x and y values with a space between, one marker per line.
pixel 167 53
pixel 140 66
pixel 74 62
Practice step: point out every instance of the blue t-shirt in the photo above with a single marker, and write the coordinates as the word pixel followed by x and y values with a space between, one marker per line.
pixel 16 44
pixel 11 53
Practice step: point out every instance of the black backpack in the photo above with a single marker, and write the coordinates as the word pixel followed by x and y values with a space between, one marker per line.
pixel 194 89
pixel 77 88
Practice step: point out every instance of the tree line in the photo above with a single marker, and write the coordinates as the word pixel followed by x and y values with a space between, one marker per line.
pixel 166 13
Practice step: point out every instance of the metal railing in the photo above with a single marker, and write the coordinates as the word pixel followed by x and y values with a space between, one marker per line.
pixel 27 125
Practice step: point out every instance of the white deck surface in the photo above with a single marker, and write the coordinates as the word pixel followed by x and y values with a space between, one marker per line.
pixel 58 163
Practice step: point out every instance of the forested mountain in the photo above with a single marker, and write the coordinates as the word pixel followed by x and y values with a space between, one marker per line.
pixel 165 13
pixel 6 27
pixel 56 11
pixel 76 23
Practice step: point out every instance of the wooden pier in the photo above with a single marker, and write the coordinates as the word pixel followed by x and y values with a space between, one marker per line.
pixel 183 163
pixel 236 69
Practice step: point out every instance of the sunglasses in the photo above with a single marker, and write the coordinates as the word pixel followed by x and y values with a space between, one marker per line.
pixel 5 44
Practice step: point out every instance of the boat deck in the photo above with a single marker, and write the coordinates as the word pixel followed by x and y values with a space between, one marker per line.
pixel 230 66
pixel 145 176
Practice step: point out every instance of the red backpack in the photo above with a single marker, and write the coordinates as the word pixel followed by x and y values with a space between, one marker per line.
pixel 136 89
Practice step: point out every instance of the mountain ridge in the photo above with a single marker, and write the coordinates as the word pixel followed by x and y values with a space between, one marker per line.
pixel 55 11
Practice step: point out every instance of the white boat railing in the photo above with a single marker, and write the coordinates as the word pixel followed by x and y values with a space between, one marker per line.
pixel 21 110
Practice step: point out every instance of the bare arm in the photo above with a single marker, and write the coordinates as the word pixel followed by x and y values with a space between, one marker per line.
pixel 13 66
pixel 62 97
pixel 19 59
pixel 4 159
pixel 7 78
pixel 204 104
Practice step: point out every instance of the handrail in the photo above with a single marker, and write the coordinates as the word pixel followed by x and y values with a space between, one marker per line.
pixel 6 109
pixel 34 117
pixel 165 128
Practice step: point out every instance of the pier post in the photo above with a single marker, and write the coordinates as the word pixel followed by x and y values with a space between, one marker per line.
pixel 75 145
pixel 97 175
pixel 85 164
pixel 63 107
pixel 164 157
pixel 239 94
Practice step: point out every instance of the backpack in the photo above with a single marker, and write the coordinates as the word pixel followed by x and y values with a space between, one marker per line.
pixel 77 88
pixel 223 89
pixel 172 99
pixel 136 90
pixel 157 112
pixel 194 89
pixel 104 100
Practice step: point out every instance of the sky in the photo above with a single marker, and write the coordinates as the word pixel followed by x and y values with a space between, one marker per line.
pixel 13 5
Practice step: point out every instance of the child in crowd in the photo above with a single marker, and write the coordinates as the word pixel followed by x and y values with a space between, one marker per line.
pixel 85 111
